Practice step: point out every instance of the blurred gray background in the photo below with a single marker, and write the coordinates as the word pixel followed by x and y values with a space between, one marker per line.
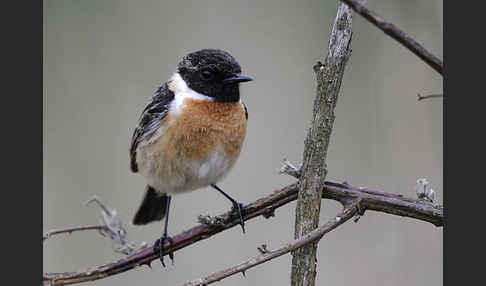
pixel 104 59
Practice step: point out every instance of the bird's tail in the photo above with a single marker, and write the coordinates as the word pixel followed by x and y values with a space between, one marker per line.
pixel 153 207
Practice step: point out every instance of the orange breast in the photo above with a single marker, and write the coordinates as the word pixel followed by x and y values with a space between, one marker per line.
pixel 203 126
pixel 197 146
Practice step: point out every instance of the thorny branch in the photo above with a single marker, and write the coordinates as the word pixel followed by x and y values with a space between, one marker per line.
pixel 342 192
pixel 266 206
pixel 397 34
pixel 70 230
pixel 111 227
pixel 347 213
pixel 417 49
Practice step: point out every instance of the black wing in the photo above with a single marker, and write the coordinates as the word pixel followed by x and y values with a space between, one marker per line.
pixel 155 110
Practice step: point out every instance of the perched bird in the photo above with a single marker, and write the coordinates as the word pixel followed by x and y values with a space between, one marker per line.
pixel 189 134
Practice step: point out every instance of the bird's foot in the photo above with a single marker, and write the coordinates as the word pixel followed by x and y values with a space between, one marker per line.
pixel 237 208
pixel 159 248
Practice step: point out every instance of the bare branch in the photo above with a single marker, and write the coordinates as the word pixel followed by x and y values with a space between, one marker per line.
pixel 397 34
pixel 355 199
pixel 70 230
pixel 314 170
pixel 370 200
pixel 266 255
pixel 420 97
pixel 110 227
pixel 113 228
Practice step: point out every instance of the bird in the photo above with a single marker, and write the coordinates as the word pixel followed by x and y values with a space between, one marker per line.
pixel 189 135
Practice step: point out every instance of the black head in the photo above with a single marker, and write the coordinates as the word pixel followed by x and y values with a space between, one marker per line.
pixel 214 73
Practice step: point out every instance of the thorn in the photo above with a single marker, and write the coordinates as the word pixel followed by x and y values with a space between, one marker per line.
pixel 263 248
pixel 244 274
pixel 268 213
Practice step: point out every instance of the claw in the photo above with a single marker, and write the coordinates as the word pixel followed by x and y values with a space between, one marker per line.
pixel 159 247
pixel 237 209
pixel 236 206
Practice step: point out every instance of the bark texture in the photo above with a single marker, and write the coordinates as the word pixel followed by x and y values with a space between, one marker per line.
pixel 345 194
pixel 314 170
pixel 267 255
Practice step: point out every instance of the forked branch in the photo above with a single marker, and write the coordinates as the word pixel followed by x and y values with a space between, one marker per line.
pixel 313 236
pixel 369 200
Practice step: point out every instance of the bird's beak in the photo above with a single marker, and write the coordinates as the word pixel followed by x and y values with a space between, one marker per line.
pixel 237 78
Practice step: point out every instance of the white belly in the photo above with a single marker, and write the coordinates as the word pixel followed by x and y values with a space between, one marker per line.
pixel 176 176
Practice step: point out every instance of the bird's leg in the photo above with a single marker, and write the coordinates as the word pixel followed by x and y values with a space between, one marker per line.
pixel 159 243
pixel 237 207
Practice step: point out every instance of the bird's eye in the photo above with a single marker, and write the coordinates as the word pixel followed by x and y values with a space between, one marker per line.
pixel 206 75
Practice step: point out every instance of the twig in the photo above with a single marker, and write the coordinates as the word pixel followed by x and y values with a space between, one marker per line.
pixel 420 97
pixel 397 34
pixel 52 233
pixel 370 200
pixel 113 228
pixel 110 227
pixel 311 237
pixel 290 169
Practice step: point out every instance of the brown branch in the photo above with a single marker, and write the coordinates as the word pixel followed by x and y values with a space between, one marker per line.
pixel 311 237
pixel 376 200
pixel 397 34
pixel 70 230
pixel 370 200
pixel 314 169
pixel 420 97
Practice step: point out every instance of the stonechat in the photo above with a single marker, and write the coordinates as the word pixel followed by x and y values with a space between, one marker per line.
pixel 189 134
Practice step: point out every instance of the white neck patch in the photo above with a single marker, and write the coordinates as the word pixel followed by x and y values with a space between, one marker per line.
pixel 179 87
pixel 182 91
